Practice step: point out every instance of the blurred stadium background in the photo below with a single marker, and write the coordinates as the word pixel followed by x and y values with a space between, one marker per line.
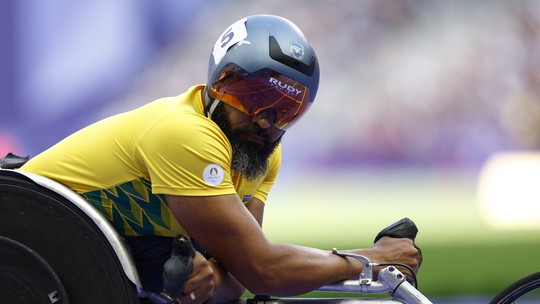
pixel 426 109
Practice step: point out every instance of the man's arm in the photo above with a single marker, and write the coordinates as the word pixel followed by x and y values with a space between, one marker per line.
pixel 232 235
pixel 228 288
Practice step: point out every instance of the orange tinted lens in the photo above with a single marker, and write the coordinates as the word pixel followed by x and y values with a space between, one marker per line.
pixel 253 93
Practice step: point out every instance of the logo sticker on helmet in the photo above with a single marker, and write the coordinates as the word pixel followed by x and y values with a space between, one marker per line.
pixel 284 87
pixel 296 50
pixel 232 35
pixel 213 174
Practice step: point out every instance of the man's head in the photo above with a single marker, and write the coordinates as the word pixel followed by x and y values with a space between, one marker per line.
pixel 263 76
pixel 252 145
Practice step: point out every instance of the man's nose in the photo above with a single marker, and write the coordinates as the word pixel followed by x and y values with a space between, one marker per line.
pixel 265 119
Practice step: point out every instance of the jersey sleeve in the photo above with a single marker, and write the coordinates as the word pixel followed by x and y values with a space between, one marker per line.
pixel 189 159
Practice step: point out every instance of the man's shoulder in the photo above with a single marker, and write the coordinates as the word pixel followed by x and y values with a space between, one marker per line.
pixel 180 120
pixel 181 114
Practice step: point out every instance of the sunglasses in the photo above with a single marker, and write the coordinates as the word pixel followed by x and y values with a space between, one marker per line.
pixel 263 90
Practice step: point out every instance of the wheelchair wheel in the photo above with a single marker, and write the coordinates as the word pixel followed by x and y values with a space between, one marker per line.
pixel 47 230
pixel 524 290
pixel 26 278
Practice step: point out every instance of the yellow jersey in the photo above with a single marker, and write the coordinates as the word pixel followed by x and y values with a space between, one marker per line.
pixel 125 164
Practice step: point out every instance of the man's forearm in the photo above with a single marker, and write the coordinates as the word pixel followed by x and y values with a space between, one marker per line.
pixel 227 288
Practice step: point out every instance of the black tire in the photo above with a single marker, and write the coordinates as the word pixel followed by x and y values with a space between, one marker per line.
pixel 65 238
pixel 26 278
pixel 518 290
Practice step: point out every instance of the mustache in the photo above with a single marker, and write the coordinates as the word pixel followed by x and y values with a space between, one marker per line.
pixel 254 129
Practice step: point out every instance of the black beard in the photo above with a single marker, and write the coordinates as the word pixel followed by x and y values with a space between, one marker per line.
pixel 247 158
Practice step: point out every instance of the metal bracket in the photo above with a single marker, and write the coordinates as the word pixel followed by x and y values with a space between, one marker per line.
pixel 366 276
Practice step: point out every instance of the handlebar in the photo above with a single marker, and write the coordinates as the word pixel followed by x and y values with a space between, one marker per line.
pixel 390 279
pixel 404 228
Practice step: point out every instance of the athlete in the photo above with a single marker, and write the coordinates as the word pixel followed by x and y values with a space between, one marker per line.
pixel 203 163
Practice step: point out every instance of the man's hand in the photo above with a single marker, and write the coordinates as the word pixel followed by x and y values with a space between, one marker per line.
pixel 395 250
pixel 200 285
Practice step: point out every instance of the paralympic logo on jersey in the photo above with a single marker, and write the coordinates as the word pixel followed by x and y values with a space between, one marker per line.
pixel 213 174
pixel 284 87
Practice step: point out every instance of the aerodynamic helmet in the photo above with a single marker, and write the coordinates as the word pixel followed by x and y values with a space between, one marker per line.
pixel 260 63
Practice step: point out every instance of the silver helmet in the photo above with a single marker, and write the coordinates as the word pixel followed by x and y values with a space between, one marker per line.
pixel 264 62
